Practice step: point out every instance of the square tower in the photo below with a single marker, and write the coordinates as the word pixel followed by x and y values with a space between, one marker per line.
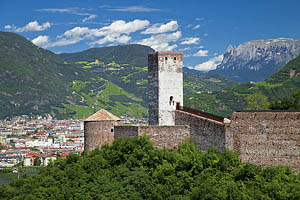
pixel 165 82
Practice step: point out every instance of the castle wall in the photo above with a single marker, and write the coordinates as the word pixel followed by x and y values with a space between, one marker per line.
pixel 266 138
pixel 126 131
pixel 204 132
pixel 161 136
pixel 96 133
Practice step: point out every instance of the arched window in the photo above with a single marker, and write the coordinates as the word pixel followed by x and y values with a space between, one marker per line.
pixel 171 100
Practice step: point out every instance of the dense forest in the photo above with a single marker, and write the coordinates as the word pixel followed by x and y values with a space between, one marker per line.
pixel 134 169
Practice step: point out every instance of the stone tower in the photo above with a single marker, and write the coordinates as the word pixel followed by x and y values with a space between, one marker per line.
pixel 165 81
pixel 99 128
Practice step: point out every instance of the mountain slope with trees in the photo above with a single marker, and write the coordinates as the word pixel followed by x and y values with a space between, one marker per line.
pixel 134 169
pixel 31 78
pixel 283 83
pixel 133 54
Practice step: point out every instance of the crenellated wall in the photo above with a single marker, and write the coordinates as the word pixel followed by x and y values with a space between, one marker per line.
pixel 266 138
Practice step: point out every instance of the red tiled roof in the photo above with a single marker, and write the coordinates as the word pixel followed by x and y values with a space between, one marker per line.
pixel 33 154
pixel 64 154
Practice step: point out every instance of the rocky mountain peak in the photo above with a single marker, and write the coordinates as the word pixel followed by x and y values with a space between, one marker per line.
pixel 256 60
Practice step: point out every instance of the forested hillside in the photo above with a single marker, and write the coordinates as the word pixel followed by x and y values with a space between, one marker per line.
pixel 134 169
pixel 133 54
pixel 283 83
pixel 32 79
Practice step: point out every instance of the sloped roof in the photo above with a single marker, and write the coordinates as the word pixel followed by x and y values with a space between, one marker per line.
pixel 102 115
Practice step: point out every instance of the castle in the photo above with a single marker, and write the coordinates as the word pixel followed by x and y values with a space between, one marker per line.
pixel 261 137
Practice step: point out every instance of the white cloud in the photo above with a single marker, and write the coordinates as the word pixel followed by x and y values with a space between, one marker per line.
pixel 116 32
pixel 77 32
pixel 74 11
pixel 60 10
pixel 196 27
pixel 190 40
pixel 64 42
pixel 41 41
pixel 130 9
pixel 121 26
pixel 161 28
pixel 185 49
pixel 210 64
pixel 89 18
pixel 31 26
pixel 199 19
pixel 8 27
pixel 200 47
pixel 161 42
pixel 123 39
pixel 201 53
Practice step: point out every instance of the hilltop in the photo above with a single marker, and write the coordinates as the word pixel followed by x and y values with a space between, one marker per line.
pixel 132 54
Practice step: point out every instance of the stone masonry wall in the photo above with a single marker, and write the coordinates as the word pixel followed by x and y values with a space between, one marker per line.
pixel 266 138
pixel 161 136
pixel 126 131
pixel 204 132
pixel 96 133
pixel 153 89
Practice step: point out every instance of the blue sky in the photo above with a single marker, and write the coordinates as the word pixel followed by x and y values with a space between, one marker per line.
pixel 202 30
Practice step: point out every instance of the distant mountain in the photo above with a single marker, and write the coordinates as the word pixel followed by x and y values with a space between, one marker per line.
pixel 192 71
pixel 258 59
pixel 133 54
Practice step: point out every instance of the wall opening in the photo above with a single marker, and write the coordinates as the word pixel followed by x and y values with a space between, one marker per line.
pixel 166 58
pixel 171 100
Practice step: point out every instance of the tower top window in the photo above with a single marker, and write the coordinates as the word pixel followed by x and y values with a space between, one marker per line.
pixel 166 58
pixel 175 58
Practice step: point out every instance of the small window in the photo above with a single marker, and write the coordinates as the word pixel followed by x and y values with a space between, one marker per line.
pixel 112 130
pixel 175 58
pixel 171 100
pixel 166 58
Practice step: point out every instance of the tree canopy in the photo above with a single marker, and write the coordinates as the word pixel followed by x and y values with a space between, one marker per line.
pixel 134 169
pixel 287 103
pixel 257 101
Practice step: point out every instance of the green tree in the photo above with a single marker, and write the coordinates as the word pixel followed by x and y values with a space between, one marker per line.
pixel 134 169
pixel 287 103
pixel 37 161
pixel 257 101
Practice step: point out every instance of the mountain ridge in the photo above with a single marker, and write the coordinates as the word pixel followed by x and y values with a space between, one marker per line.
pixel 256 60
